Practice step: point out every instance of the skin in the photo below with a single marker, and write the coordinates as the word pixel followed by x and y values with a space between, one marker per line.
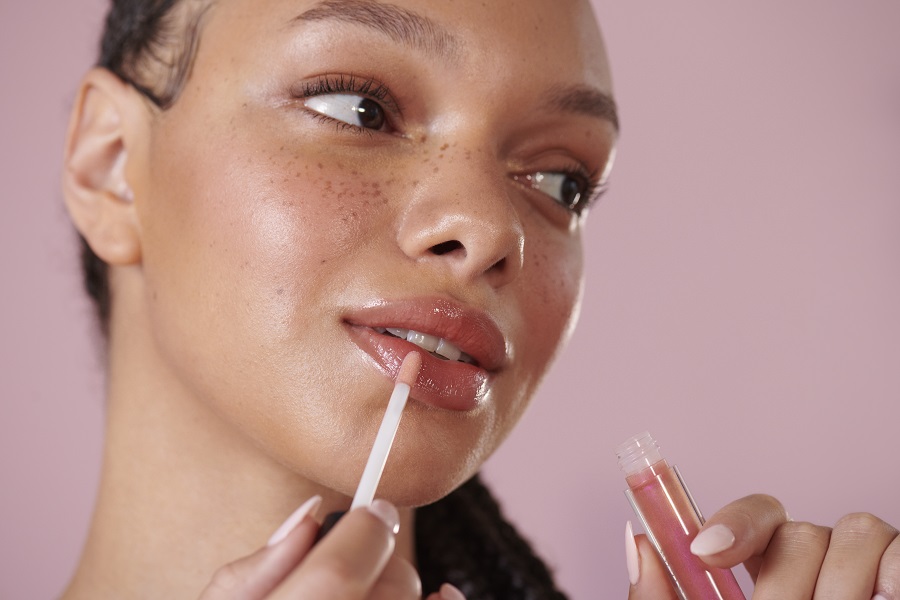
pixel 240 226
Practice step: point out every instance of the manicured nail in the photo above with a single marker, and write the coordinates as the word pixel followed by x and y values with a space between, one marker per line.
pixel 448 592
pixel 385 511
pixel 712 541
pixel 307 508
pixel 632 558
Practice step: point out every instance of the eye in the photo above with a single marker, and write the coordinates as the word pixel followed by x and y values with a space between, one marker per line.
pixel 571 190
pixel 351 109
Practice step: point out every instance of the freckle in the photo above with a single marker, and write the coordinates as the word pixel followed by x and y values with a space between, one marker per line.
pixel 320 165
pixel 279 291
pixel 440 156
pixel 323 261
pixel 436 169
pixel 354 173
pixel 281 149
pixel 445 146
pixel 376 194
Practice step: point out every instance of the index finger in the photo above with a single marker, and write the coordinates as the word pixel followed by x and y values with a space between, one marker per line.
pixel 349 560
pixel 740 532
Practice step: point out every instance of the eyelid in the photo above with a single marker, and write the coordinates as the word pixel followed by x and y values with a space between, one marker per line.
pixel 593 188
pixel 340 83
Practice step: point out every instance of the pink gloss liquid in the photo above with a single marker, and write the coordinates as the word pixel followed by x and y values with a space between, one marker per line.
pixel 671 519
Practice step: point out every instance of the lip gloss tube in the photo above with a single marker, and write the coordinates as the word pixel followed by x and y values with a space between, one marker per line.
pixel 670 516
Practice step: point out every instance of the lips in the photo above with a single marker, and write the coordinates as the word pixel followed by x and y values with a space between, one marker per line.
pixel 389 330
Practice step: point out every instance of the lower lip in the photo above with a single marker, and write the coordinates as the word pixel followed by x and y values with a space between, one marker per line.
pixel 446 384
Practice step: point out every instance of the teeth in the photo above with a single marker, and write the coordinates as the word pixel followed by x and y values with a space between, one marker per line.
pixel 436 346
pixel 448 350
pixel 423 340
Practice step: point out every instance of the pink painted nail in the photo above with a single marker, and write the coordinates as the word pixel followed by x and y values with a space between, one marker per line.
pixel 385 511
pixel 449 592
pixel 632 558
pixel 307 508
pixel 712 541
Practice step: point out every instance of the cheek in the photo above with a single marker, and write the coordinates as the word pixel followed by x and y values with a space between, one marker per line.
pixel 246 248
pixel 548 291
pixel 554 282
pixel 277 220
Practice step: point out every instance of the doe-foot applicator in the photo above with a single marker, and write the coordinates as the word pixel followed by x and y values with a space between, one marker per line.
pixel 384 439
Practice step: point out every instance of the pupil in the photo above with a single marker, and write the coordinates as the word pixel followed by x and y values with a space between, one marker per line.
pixel 571 192
pixel 370 114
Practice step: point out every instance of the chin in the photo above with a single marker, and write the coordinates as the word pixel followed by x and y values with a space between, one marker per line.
pixel 424 481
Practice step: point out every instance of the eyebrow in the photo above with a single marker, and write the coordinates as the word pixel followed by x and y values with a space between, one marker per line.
pixel 399 24
pixel 585 100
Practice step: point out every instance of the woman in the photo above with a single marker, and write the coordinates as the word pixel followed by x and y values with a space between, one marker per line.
pixel 266 189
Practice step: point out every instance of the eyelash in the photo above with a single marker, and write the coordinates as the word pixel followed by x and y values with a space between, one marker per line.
pixel 593 189
pixel 347 84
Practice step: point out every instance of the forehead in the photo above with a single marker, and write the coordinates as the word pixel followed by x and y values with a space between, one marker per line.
pixel 537 36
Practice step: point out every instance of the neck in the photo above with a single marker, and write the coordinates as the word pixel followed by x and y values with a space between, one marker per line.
pixel 181 492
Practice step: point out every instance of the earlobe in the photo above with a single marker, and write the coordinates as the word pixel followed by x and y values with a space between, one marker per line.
pixel 98 195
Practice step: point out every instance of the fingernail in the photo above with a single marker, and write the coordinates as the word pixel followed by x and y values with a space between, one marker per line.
pixel 307 508
pixel 712 541
pixel 449 592
pixel 879 597
pixel 632 558
pixel 385 511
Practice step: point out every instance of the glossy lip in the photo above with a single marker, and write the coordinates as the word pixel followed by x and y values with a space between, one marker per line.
pixel 443 384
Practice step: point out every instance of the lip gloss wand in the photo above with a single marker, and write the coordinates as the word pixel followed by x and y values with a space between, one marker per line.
pixel 384 439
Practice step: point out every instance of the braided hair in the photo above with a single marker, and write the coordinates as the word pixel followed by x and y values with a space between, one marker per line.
pixel 465 540
pixel 462 539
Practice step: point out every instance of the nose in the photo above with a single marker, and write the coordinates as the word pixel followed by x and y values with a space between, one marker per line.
pixel 464 221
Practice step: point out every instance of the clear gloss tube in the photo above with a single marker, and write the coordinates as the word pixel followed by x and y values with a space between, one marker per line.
pixel 664 505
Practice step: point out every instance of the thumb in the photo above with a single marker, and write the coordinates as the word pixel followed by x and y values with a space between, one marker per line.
pixel 646 572
pixel 254 576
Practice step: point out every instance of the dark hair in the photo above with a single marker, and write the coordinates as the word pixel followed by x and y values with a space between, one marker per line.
pixel 463 538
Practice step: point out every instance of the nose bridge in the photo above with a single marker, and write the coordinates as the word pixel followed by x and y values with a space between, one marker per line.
pixel 461 216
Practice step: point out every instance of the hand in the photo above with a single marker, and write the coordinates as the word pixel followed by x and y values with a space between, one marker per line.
pixel 355 561
pixel 857 559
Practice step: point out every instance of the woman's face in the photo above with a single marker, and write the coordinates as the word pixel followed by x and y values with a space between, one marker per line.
pixel 335 169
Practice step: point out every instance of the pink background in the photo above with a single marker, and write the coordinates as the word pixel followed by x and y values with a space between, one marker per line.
pixel 742 297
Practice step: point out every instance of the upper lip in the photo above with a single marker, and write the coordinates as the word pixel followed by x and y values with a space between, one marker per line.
pixel 471 330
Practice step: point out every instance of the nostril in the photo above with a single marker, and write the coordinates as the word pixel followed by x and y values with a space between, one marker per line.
pixel 446 247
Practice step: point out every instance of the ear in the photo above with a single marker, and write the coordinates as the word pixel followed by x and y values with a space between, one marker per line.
pixel 106 123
